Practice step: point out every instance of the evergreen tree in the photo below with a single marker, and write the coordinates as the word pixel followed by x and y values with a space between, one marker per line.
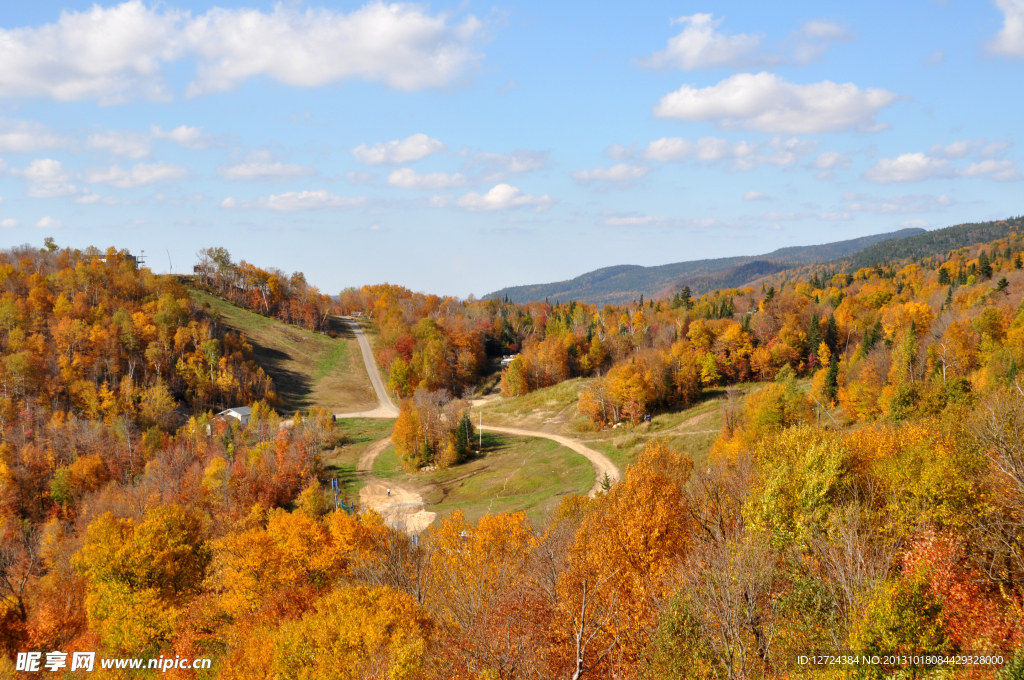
pixel 984 266
pixel 872 336
pixel 1017 262
pixel 831 336
pixel 684 298
pixel 814 335
pixel 464 436
pixel 831 388
pixel 943 277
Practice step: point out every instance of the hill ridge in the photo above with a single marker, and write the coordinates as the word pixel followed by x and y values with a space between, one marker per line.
pixel 622 283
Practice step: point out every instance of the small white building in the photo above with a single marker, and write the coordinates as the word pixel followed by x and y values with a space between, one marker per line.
pixel 506 360
pixel 239 413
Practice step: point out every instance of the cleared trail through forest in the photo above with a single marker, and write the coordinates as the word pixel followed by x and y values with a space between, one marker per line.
pixel 401 508
pixel 404 507
pixel 385 409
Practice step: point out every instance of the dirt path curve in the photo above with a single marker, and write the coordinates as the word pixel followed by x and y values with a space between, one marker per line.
pixel 406 507
pixel 602 465
pixel 385 409
pixel 400 508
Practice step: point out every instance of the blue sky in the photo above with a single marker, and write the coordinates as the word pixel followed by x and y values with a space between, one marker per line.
pixel 459 148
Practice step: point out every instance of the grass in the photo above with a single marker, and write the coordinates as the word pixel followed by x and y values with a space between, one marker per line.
pixel 527 474
pixel 356 435
pixel 553 409
pixel 308 369
pixel 549 409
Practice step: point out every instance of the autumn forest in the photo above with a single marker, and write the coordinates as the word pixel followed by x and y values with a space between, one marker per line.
pixel 862 487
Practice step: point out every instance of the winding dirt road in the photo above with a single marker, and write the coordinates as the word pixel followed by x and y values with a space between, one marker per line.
pixel 602 465
pixel 402 507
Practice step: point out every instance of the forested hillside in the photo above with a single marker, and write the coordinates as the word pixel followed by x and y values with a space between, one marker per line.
pixel 937 242
pixel 624 283
pixel 865 494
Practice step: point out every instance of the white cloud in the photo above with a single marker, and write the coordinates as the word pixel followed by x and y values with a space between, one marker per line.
pixel 908 167
pixel 954 150
pixel 756 196
pixel 669 149
pixel 1010 39
pixel 440 200
pixel 118 53
pixel 48 178
pixel 309 200
pixel 229 203
pixel 138 175
pixel 45 170
pixel 407 178
pixel 497 167
pixel 828 162
pixel 8 223
pixel 413 148
pixel 48 222
pixel 741 155
pixel 700 46
pixel 90 198
pixel 22 136
pixel 399 45
pixel 915 223
pixel 835 216
pixel 773 216
pixel 1003 170
pixel 107 54
pixel 617 152
pixel 634 220
pixel 980 148
pixel 824 30
pixel 916 167
pixel 767 103
pixel 120 143
pixel 620 174
pixel 361 177
pixel 911 203
pixel 191 137
pixel 504 197
pixel 831 160
pixel 265 170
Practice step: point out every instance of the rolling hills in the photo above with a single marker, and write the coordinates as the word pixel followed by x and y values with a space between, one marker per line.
pixel 623 283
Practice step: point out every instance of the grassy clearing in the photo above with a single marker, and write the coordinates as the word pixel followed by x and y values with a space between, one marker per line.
pixel 308 369
pixel 515 474
pixel 550 409
pixel 553 409
pixel 357 434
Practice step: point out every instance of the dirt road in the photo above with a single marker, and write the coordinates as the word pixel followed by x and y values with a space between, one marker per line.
pixel 405 508
pixel 400 508
pixel 385 408
pixel 602 465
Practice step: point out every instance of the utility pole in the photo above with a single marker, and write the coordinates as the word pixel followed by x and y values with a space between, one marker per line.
pixel 481 430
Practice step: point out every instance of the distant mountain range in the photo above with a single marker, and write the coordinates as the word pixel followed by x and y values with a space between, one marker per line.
pixel 624 283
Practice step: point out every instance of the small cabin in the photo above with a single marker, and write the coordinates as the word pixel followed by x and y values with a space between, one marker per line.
pixel 239 413
pixel 506 360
